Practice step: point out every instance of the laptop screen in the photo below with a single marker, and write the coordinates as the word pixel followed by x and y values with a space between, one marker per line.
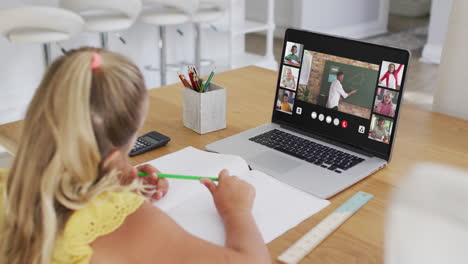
pixel 341 89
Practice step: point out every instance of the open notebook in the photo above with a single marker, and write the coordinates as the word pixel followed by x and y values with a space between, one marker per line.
pixel 277 207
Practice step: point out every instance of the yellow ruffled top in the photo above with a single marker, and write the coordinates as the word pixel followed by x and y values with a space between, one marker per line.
pixel 102 216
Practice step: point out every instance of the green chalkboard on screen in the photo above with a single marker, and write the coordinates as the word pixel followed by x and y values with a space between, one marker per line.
pixel 355 78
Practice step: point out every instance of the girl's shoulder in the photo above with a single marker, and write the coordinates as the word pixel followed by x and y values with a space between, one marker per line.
pixel 103 215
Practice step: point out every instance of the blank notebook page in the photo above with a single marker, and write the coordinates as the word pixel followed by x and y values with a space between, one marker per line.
pixel 193 162
pixel 278 207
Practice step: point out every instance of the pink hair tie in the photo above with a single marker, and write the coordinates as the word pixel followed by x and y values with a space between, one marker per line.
pixel 97 61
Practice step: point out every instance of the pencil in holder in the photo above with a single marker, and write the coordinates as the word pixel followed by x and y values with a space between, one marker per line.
pixel 205 112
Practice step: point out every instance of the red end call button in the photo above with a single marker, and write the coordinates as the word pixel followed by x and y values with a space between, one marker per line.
pixel 344 124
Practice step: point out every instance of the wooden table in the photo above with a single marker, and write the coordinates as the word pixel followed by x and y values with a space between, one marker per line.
pixel 422 136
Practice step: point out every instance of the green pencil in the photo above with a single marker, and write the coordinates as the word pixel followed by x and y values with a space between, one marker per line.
pixel 172 176
pixel 207 83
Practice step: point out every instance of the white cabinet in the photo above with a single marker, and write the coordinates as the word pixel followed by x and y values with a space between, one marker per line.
pixel 352 18
pixel 240 25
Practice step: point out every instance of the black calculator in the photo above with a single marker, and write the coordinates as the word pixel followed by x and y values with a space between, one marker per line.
pixel 147 142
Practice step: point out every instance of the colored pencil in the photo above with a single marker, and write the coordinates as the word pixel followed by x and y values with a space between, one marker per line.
pixel 174 176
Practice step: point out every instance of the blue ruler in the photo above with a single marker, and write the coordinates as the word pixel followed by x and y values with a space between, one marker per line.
pixel 320 232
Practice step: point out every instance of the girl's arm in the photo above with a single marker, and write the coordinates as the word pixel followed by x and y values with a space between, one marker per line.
pixel 151 236
pixel 384 77
pixel 377 108
pixel 399 68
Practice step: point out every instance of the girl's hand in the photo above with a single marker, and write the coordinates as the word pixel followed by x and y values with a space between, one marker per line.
pixel 159 185
pixel 231 195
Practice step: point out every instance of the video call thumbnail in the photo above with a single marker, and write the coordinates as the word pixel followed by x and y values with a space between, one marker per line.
pixel 338 83
pixel 285 101
pixel 293 54
pixel 386 102
pixel 380 129
pixel 289 77
pixel 391 75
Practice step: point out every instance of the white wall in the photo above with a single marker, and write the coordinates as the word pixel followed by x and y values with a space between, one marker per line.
pixel 354 19
pixel 440 12
pixel 337 13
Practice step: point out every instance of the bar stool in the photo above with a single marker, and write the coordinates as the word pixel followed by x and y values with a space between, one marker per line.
pixel 208 11
pixel 163 13
pixel 39 25
pixel 105 16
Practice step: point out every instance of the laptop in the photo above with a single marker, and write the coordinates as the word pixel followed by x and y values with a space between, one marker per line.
pixel 334 117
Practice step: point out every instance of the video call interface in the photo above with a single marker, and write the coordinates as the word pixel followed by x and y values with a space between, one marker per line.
pixel 350 99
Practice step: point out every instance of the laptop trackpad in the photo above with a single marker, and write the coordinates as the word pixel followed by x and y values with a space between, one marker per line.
pixel 274 162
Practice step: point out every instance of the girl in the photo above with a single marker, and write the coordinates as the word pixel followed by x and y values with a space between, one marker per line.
pixel 72 197
pixel 289 81
pixel 386 107
pixel 391 77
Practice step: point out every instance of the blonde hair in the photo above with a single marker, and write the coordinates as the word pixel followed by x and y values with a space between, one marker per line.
pixel 389 93
pixel 76 118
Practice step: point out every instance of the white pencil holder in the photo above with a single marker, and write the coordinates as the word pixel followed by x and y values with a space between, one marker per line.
pixel 205 112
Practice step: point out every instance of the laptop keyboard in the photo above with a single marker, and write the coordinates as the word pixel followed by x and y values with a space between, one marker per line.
pixel 307 150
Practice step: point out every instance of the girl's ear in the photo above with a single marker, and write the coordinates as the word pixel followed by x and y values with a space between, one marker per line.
pixel 111 158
